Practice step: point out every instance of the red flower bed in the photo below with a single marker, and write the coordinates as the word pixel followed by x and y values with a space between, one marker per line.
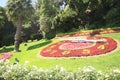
pixel 72 49
pixel 5 56
pixel 94 32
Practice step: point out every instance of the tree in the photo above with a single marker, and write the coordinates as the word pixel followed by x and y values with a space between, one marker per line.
pixel 2 17
pixel 113 13
pixel 6 29
pixel 48 11
pixel 18 11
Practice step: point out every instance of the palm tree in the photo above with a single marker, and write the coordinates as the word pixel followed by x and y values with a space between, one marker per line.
pixel 18 11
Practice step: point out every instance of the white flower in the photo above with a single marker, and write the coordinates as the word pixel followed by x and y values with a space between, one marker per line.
pixel 62 69
pixel 9 71
pixel 40 70
pixel 30 74
pixel 106 76
pixel 100 72
pixel 50 75
pixel 89 69
pixel 1 61
pixel 116 71
pixel 34 67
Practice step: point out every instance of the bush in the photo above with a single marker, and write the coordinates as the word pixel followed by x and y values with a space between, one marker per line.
pixel 24 72
pixel 8 39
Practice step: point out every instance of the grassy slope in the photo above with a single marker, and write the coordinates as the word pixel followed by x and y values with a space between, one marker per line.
pixel 30 53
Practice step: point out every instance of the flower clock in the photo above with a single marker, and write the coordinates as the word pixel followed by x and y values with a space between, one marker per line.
pixel 91 46
pixel 5 56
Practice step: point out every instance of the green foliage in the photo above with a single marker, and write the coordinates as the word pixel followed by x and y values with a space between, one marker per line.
pixel 89 73
pixel 64 20
pixel 19 8
pixel 90 12
pixel 31 33
pixel 6 29
pixel 47 13
pixel 68 12
pixel 113 75
pixel 2 17
pixel 9 37
pixel 113 17
pixel 23 72
pixel 48 31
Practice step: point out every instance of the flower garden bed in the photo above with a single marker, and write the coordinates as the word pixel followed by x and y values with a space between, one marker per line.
pixel 66 48
pixel 93 32
pixel 5 56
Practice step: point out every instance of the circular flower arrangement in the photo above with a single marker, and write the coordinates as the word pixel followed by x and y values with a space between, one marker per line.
pixel 75 45
pixel 5 56
pixel 67 48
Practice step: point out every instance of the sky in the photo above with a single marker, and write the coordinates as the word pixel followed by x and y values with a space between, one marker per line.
pixel 3 2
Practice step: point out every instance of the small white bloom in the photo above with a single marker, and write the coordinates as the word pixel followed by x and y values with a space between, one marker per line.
pixel 89 69
pixel 106 76
pixel 35 67
pixel 68 76
pixel 116 71
pixel 100 72
pixel 1 61
pixel 62 69
pixel 9 71
pixel 50 75
pixel 31 75
pixel 40 70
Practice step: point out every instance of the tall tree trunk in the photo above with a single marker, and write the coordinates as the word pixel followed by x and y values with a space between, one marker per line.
pixel 18 35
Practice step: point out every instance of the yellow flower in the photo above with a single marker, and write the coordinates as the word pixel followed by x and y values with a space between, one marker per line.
pixel 101 47
pixel 53 51
pixel 48 50
pixel 86 51
pixel 52 46
pixel 66 52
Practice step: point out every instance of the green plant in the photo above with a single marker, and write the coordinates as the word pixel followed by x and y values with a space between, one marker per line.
pixel 24 72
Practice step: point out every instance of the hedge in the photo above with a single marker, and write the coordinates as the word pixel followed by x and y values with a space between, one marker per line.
pixel 23 72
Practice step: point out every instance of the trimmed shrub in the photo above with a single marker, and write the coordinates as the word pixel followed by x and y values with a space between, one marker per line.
pixel 24 72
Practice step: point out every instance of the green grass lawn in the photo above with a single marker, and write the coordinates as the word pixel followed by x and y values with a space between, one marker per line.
pixel 30 54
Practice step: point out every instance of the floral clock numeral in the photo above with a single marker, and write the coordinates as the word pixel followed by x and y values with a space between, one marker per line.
pixel 86 51
pixel 48 50
pixel 66 52
pixel 53 51
pixel 101 47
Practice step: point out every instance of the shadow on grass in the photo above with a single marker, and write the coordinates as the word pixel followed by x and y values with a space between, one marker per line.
pixel 4 49
pixel 39 45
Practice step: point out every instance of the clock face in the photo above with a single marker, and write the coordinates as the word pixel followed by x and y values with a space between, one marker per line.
pixel 90 47
pixel 76 45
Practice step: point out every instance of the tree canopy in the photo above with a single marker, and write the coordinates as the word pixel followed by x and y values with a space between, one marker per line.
pixel 54 16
